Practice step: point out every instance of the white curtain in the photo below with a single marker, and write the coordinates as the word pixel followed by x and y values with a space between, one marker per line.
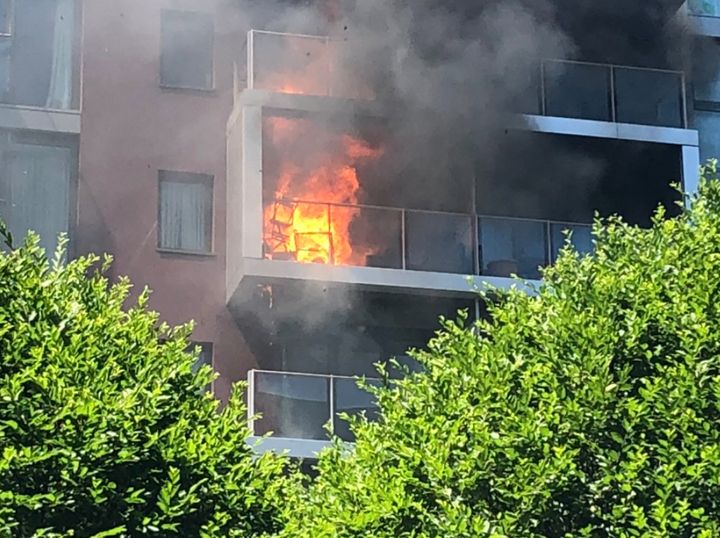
pixel 185 209
pixel 39 192
pixel 61 76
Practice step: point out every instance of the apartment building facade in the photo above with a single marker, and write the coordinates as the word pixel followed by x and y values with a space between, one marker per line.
pixel 166 133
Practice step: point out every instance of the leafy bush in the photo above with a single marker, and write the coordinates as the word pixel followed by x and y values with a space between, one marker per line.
pixel 588 409
pixel 104 429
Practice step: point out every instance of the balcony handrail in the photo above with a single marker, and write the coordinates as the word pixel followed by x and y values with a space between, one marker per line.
pixel 289 34
pixel 430 211
pixel 254 371
pixel 614 65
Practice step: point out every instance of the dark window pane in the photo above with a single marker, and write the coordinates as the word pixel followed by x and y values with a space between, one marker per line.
pixel 352 400
pixel 706 70
pixel 378 233
pixel 439 242
pixel 575 90
pixel 708 125
pixel 187 50
pixel 37 61
pixel 510 246
pixel 581 238
pixel 527 100
pixel 35 190
pixel 185 207
pixel 205 356
pixel 648 97
pixel 291 406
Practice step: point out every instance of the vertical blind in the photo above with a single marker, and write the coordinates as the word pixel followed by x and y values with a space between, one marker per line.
pixel 36 191
pixel 185 212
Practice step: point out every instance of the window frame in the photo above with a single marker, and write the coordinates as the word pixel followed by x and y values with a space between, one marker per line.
pixel 10 139
pixel 190 178
pixel 165 14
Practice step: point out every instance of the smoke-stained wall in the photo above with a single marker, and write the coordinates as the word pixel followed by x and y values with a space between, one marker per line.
pixel 452 73
pixel 131 129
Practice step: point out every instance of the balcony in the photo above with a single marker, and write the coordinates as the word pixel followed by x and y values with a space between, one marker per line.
pixel 301 411
pixel 609 93
pixel 297 64
pixel 38 50
pixel 416 240
pixel 394 249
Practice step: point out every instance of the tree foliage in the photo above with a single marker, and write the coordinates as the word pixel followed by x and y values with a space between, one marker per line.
pixel 104 427
pixel 590 408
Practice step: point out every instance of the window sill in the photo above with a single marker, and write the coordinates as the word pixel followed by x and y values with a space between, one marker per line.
pixel 183 253
pixel 33 108
pixel 206 92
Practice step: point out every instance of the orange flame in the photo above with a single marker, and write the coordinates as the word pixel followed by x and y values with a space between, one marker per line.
pixel 303 220
pixel 304 65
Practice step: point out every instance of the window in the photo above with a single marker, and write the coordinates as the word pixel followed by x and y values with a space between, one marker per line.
pixel 185 212
pixel 6 8
pixel 205 356
pixel 35 178
pixel 708 125
pixel 37 53
pixel 186 57
pixel 706 71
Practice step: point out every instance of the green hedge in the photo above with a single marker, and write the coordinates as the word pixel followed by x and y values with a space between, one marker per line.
pixel 104 429
pixel 589 409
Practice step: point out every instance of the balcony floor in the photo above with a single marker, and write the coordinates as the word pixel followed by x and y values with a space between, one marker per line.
pixel 257 271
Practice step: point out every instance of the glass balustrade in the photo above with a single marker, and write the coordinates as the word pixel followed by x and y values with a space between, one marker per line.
pixel 392 238
pixel 301 406
pixel 613 93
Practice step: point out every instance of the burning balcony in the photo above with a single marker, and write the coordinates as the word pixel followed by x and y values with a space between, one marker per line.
pixel 300 64
pixel 310 201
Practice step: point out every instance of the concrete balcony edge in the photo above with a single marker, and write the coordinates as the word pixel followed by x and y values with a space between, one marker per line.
pixel 40 119
pixel 372 278
pixel 605 129
pixel 296 448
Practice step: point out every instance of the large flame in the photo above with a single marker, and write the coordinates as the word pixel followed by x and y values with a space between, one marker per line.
pixel 309 216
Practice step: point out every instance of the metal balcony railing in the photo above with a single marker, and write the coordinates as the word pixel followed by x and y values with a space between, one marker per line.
pixel 316 65
pixel 612 93
pixel 301 64
pixel 299 406
pixel 418 240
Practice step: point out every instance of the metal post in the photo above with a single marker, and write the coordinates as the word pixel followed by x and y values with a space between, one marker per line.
pixel 250 60
pixel 613 96
pixel 548 242
pixel 683 90
pixel 331 239
pixel 251 401
pixel 403 241
pixel 543 106
pixel 475 229
pixel 332 402
pixel 329 67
